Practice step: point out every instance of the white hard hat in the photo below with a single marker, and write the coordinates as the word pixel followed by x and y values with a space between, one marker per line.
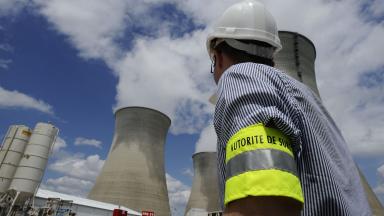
pixel 247 20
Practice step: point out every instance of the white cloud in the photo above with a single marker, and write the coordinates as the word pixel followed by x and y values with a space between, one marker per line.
pixel 178 195
pixel 59 144
pixel 207 141
pixel 188 172
pixel 208 14
pixel 377 8
pixel 174 75
pixel 68 185
pixel 344 54
pixel 12 7
pixel 380 170
pixel 78 173
pixel 78 166
pixel 91 25
pixel 15 99
pixel 91 142
pixel 4 63
pixel 4 46
pixel 170 74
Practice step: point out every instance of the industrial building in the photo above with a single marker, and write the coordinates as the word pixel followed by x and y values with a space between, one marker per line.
pixel 133 174
pixel 81 206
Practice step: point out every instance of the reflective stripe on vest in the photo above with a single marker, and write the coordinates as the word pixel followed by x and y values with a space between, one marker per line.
pixel 260 162
pixel 261 159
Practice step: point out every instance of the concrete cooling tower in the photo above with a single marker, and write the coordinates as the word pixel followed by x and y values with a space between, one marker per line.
pixel 297 59
pixel 133 174
pixel 205 190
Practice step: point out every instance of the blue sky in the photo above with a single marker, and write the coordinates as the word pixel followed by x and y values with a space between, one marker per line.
pixel 74 62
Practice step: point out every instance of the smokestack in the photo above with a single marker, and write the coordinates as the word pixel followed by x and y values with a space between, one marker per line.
pixel 133 174
pixel 297 59
pixel 205 188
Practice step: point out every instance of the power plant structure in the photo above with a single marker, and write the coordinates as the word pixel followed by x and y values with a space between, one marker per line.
pixel 133 174
pixel 23 156
pixel 297 59
pixel 204 195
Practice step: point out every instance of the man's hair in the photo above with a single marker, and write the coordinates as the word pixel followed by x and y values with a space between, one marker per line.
pixel 239 56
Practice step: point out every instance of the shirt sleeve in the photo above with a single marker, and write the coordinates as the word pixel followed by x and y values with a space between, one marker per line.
pixel 256 121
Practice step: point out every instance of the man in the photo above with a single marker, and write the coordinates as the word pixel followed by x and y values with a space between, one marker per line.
pixel 279 151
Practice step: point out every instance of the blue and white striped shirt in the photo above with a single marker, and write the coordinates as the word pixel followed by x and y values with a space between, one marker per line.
pixel 250 93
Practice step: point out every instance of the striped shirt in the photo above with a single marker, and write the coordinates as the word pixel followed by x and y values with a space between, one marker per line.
pixel 250 93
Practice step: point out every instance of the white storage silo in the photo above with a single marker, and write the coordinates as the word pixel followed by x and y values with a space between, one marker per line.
pixel 32 165
pixel 11 152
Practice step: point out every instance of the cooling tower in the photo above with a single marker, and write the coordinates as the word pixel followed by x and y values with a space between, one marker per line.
pixel 205 188
pixel 297 58
pixel 133 174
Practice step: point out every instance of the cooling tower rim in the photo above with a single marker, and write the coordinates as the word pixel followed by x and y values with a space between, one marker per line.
pixel 302 36
pixel 140 107
pixel 197 153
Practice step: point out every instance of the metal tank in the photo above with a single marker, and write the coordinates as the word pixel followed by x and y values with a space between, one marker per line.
pixel 297 58
pixel 12 150
pixel 32 165
pixel 133 174
pixel 205 189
